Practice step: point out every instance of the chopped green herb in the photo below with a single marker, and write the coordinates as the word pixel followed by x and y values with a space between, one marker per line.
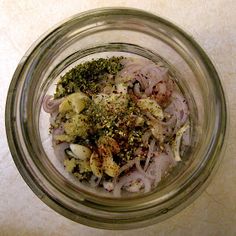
pixel 87 77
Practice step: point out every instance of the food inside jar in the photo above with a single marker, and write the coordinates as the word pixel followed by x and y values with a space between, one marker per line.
pixel 120 122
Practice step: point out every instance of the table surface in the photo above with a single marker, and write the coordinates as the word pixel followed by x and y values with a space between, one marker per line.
pixel 211 23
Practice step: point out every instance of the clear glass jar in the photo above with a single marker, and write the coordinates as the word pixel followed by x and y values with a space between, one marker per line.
pixel 101 33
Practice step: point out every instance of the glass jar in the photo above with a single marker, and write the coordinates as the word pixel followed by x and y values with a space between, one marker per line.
pixel 101 33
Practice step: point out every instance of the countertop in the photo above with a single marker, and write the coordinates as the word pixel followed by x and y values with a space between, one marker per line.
pixel 212 24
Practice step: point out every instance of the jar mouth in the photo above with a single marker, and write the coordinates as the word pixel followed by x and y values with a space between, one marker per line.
pixel 44 62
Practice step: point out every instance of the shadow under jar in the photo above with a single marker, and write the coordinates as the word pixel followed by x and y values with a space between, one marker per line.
pixel 104 33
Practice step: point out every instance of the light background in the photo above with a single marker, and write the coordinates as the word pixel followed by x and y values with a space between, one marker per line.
pixel 212 23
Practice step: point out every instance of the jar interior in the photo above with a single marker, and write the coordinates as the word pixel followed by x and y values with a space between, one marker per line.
pixel 105 51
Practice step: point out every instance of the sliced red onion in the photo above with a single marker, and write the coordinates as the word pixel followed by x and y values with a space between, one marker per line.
pixel 129 70
pixel 181 106
pixel 150 153
pixel 162 88
pixel 159 166
pixel 124 168
pixel 59 130
pixel 94 181
pixel 170 154
pixel 158 174
pixel 134 186
pixel 157 76
pixel 147 73
pixel 178 108
pixel 51 105
pixel 148 90
pixel 130 179
pixel 127 166
pixel 186 138
pixel 141 170
pixel 109 186
pixel 142 80
pixel 162 92
pixel 169 126
pixel 170 122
